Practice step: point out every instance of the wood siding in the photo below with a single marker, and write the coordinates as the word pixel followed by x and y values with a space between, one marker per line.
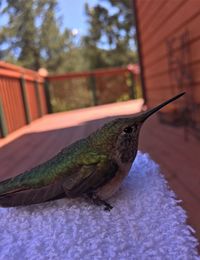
pixel 170 44
pixel 22 97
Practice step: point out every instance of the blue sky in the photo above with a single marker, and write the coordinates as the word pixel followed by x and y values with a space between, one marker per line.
pixel 73 16
pixel 72 12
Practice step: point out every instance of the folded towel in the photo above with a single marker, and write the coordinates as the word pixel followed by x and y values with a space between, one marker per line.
pixel 145 223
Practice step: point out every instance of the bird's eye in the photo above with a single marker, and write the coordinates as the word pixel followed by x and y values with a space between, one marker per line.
pixel 128 130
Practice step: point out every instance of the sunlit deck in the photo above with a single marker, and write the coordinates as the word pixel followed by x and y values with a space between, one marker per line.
pixel 45 137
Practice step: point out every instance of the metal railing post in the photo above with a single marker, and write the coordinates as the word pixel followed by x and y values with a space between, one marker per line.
pixel 48 97
pixel 3 127
pixel 39 106
pixel 25 100
pixel 93 89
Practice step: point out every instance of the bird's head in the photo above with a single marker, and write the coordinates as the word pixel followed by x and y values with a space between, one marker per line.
pixel 121 135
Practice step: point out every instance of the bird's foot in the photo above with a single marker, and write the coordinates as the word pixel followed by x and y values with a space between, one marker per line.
pixel 99 202
pixel 107 207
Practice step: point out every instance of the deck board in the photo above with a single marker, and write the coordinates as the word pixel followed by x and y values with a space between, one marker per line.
pixel 178 158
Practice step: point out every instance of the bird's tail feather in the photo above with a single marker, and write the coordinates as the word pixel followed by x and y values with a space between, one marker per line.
pixel 30 196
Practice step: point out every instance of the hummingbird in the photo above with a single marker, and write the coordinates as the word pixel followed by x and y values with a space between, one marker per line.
pixel 93 167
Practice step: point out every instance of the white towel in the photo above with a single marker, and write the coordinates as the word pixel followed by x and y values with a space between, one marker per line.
pixel 145 223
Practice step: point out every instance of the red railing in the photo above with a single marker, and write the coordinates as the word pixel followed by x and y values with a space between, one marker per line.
pixel 26 96
pixel 22 97
pixel 82 89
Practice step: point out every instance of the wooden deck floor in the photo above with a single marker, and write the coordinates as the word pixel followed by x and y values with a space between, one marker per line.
pixel 179 159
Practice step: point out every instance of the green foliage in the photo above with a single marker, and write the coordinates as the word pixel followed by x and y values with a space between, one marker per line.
pixel 33 37
pixel 110 40
pixel 18 34
pixel 70 94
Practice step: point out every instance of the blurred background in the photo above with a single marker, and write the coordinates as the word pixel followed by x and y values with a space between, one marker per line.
pixel 92 61
pixel 69 36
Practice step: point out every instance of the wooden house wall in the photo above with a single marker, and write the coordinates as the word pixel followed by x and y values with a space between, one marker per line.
pixel 170 49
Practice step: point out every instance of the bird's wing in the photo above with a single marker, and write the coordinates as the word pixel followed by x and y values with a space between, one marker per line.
pixel 95 172
pixel 37 185
pixel 55 178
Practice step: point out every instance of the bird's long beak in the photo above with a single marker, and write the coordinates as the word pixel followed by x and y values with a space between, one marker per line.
pixel 148 113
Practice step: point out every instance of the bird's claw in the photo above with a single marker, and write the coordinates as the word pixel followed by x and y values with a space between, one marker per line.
pixel 97 201
pixel 107 207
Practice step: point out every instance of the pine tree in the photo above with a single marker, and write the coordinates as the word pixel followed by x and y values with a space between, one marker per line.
pixel 17 35
pixel 32 36
pixel 110 40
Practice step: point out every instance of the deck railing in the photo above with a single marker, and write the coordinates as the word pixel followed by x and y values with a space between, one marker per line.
pixel 82 89
pixel 22 97
pixel 25 95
